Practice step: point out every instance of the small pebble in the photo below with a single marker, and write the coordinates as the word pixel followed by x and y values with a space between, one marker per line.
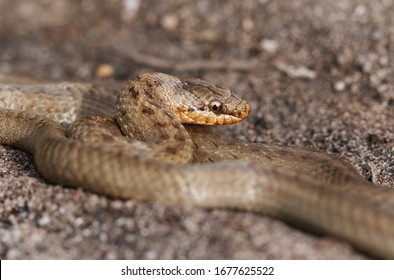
pixel 340 86
pixel 105 71
pixel 269 45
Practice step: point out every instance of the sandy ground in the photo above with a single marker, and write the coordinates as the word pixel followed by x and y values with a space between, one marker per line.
pixel 317 73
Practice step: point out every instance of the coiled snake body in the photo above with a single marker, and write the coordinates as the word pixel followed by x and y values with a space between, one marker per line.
pixel 303 187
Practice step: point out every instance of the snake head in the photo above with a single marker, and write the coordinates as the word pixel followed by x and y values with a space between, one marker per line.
pixel 210 104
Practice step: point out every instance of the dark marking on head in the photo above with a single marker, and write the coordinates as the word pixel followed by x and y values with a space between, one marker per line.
pixel 150 96
pixel 148 111
pixel 153 83
pixel 133 92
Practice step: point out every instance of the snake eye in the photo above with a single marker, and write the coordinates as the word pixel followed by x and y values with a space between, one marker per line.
pixel 215 106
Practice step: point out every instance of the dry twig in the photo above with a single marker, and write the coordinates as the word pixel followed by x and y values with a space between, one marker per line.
pixel 193 65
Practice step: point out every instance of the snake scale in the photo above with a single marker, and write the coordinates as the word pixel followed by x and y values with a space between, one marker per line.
pixel 163 160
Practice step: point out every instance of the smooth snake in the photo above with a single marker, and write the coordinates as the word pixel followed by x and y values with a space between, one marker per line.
pixel 186 164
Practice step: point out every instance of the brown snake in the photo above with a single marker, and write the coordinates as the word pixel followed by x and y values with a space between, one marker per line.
pixel 303 187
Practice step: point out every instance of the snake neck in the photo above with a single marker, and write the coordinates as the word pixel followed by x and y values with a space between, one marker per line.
pixel 140 116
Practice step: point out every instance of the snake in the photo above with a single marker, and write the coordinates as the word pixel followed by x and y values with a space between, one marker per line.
pixel 156 141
